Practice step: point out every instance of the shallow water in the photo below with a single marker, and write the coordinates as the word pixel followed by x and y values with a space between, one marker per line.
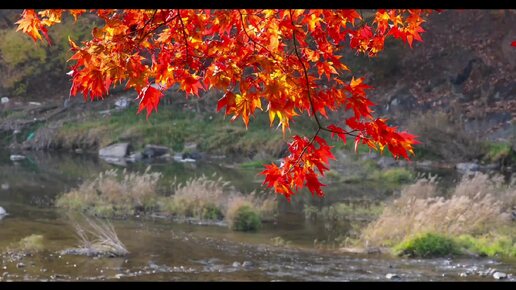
pixel 166 250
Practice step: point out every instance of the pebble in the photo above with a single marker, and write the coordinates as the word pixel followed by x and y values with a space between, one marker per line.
pixel 236 264
pixel 20 265
pixel 499 275
pixel 118 276
pixel 392 276
pixel 247 264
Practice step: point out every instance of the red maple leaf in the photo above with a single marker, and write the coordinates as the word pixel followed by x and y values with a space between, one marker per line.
pixel 150 98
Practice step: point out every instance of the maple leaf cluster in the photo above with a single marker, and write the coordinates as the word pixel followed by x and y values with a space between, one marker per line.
pixel 287 62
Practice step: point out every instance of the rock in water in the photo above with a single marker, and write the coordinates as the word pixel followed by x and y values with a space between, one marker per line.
pixel 153 151
pixel 15 157
pixel 467 167
pixel 392 276
pixel 499 275
pixel 118 150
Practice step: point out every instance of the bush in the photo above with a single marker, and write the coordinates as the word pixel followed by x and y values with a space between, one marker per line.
pixel 427 246
pixel 243 217
pixel 499 152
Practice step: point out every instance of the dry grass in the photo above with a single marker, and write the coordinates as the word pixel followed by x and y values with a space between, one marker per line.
pixel 444 137
pixel 121 194
pixel 113 193
pixel 200 198
pixel 213 198
pixel 477 206
pixel 97 238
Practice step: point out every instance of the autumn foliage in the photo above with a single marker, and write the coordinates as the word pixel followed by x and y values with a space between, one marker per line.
pixel 286 62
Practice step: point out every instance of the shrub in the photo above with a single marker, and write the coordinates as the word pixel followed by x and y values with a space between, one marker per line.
pixel 427 245
pixel 243 217
pixel 497 152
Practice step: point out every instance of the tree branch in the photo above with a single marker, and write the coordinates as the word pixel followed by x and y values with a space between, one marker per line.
pixel 184 34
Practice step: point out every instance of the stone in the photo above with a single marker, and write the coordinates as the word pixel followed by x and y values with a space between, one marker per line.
pixel 2 211
pixel 15 157
pixel 178 157
pixel 122 103
pixel 118 150
pixel 135 157
pixel 426 164
pixel 20 265
pixel 35 103
pixel 247 264
pixel 499 275
pixel 5 186
pixel 467 167
pixel 193 155
pixel 236 264
pixel 386 162
pixel 4 100
pixel 115 161
pixel 187 160
pixel 190 147
pixel 153 151
pixel 392 276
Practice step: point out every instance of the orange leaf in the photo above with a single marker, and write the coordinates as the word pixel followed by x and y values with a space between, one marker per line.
pixel 150 98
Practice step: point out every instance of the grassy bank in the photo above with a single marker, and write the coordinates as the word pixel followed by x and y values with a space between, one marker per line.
pixel 475 216
pixel 172 128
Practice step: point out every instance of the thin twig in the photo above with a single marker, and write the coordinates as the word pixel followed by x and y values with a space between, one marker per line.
pixel 184 34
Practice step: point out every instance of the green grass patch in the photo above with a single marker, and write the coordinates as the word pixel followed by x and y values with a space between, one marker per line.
pixel 489 244
pixel 427 245
pixel 32 243
pixel 253 164
pixel 395 175
pixel 496 152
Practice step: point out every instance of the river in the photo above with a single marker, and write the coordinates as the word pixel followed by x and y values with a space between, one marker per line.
pixel 170 251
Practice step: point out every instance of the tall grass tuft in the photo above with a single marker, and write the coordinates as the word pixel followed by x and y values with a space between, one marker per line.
pixel 97 238
pixel 113 193
pixel 477 205
pixel 213 199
